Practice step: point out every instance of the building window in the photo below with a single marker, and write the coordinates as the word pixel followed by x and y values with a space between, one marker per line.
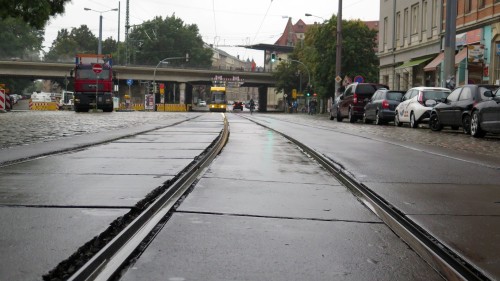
pixel 386 26
pixel 414 19
pixel 435 13
pixel 468 6
pixel 424 16
pixel 398 25
pixel 481 4
pixel 405 24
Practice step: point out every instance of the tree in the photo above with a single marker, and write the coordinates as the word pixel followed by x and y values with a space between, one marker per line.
pixel 319 53
pixel 68 44
pixel 34 13
pixel 19 40
pixel 160 38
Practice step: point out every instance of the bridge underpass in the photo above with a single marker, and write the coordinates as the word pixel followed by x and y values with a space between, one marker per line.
pixel 184 79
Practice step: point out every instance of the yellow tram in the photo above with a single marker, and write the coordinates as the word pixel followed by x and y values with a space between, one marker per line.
pixel 218 100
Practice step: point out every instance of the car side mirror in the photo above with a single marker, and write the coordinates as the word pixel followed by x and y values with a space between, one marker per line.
pixel 443 100
pixel 341 97
pixel 488 94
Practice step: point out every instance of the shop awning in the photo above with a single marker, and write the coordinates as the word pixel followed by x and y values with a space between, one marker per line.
pixel 434 63
pixel 414 62
pixel 460 56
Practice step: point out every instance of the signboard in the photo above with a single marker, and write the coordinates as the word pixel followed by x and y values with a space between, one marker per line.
pixel 130 82
pixel 475 53
pixel 97 68
pixel 359 79
pixel 294 93
pixel 338 79
pixel 149 102
pixel 347 80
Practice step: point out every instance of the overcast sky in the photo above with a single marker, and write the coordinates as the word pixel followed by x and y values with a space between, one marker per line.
pixel 221 22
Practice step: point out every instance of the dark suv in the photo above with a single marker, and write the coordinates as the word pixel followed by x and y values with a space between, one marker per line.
pixel 352 101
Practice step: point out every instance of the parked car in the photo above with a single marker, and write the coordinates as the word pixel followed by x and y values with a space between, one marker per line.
pixel 381 107
pixel 202 103
pixel 238 105
pixel 485 117
pixel 334 109
pixel 455 110
pixel 417 103
pixel 352 101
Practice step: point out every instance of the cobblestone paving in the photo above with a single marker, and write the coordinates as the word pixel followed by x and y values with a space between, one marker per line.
pixel 26 127
pixel 449 139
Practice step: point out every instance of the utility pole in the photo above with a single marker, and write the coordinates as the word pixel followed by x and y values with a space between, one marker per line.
pixel 338 57
pixel 449 40
pixel 127 26
pixel 118 39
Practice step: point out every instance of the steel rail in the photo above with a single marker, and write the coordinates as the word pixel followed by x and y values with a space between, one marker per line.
pixel 437 255
pixel 110 259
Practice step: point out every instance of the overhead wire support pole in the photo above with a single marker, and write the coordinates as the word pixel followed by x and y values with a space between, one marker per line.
pixel 338 57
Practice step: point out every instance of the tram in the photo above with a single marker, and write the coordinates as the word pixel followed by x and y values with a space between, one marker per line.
pixel 218 100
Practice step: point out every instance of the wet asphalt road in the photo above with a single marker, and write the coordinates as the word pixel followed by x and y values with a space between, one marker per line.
pixel 430 176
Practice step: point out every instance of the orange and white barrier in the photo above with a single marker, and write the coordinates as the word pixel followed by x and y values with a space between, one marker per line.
pixel 49 106
pixel 2 101
pixel 172 107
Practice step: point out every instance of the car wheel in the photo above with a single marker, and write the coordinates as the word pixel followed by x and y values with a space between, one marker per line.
pixel 434 123
pixel 475 127
pixel 397 123
pixel 366 120
pixel 466 124
pixel 331 116
pixel 352 118
pixel 339 116
pixel 413 121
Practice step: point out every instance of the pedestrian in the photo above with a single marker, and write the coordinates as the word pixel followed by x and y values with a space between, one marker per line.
pixel 295 105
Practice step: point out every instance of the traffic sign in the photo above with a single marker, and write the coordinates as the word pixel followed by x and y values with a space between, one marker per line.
pixel 359 79
pixel 130 82
pixel 97 68
pixel 338 79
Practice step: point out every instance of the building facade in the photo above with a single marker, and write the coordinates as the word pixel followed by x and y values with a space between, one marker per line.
pixel 411 42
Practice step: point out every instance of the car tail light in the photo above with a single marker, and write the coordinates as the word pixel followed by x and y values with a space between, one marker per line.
pixel 385 104
pixel 355 98
pixel 420 98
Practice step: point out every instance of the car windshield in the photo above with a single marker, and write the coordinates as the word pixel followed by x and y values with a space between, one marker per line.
pixel 394 96
pixel 435 95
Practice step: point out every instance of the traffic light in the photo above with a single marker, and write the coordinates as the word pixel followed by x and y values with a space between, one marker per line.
pixel 273 57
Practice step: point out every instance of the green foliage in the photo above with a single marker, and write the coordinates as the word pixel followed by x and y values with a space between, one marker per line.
pixel 319 49
pixel 68 44
pixel 34 13
pixel 19 40
pixel 160 38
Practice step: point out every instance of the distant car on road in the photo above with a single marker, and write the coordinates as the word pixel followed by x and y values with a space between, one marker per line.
pixel 486 117
pixel 381 107
pixel 455 110
pixel 238 105
pixel 417 103
pixel 202 103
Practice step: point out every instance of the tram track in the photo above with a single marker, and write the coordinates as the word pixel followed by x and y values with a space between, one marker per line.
pixel 104 256
pixel 435 253
pixel 108 263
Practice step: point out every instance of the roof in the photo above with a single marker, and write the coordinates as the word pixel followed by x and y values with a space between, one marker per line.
pixel 372 24
pixel 289 36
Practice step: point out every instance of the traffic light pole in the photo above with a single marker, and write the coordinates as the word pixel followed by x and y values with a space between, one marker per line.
pixel 338 57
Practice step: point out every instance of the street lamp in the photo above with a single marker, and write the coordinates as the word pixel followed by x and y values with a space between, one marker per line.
pixel 166 60
pixel 311 15
pixel 99 49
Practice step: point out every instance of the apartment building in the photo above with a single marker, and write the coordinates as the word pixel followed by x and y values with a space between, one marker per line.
pixel 411 41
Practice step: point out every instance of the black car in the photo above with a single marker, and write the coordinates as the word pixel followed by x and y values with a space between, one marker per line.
pixel 352 101
pixel 455 110
pixel 381 107
pixel 485 117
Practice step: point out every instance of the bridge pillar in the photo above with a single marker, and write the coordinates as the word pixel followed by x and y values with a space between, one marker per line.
pixel 263 99
pixel 182 93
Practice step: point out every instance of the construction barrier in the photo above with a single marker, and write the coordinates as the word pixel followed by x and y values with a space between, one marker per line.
pixel 44 106
pixel 2 101
pixel 172 107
